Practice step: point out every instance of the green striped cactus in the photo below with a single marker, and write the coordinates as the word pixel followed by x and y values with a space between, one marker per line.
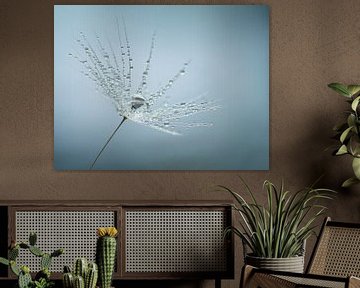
pixel 91 276
pixel 80 267
pixel 84 274
pixel 68 280
pixel 106 254
pixel 79 282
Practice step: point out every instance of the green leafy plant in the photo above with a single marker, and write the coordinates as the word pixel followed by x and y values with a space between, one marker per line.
pixel 42 278
pixel 279 229
pixel 43 283
pixel 348 132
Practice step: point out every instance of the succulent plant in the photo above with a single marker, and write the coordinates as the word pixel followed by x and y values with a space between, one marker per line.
pixel 68 278
pixel 42 283
pixel 106 254
pixel 91 276
pixel 85 275
pixel 42 278
pixel 81 266
pixel 24 277
pixel 79 282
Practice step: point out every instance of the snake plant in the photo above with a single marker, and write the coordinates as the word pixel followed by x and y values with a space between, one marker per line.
pixel 279 228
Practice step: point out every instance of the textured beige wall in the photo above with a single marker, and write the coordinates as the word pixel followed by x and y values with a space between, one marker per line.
pixel 313 42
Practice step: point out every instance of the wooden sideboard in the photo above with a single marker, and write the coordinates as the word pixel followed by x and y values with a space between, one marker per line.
pixel 157 240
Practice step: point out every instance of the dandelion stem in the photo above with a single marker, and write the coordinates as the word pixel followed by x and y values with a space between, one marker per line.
pixel 107 142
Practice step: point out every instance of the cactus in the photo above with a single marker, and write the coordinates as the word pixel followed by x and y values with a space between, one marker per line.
pixel 32 238
pixel 57 252
pixel 68 280
pixel 24 245
pixel 88 273
pixel 13 253
pixel 24 279
pixel 42 278
pixel 106 254
pixel 80 268
pixel 91 276
pixel 4 261
pixel 79 282
pixel 45 261
pixel 36 251
pixel 67 269
pixel 14 268
pixel 44 273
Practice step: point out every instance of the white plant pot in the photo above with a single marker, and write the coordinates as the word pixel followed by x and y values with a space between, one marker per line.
pixel 291 264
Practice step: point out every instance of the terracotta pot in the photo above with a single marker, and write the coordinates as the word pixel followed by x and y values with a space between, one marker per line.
pixel 291 264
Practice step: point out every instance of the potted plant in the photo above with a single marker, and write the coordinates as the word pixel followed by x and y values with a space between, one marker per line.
pixel 84 274
pixel 42 278
pixel 276 233
pixel 348 133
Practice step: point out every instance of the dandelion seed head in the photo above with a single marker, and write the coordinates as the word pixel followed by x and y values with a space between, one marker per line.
pixel 111 71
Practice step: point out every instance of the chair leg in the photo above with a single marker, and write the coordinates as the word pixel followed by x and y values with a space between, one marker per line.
pixel 246 274
pixel 217 283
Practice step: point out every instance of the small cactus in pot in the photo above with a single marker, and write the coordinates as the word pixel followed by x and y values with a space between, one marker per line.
pixel 85 275
pixel 106 254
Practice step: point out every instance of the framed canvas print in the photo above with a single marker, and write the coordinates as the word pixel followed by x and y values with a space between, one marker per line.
pixel 161 87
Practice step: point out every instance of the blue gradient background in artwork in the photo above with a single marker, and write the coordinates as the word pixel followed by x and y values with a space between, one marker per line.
pixel 229 50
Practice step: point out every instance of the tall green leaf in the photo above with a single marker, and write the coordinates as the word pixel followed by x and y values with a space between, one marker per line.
pixel 340 88
pixel 279 228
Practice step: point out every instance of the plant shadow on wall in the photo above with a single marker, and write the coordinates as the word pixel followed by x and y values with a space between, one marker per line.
pixel 111 71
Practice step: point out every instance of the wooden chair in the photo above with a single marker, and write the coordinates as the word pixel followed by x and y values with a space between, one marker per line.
pixel 334 263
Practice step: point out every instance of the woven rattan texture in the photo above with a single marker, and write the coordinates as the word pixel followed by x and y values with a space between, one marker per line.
pixel 305 282
pixel 75 231
pixel 175 241
pixel 267 280
pixel 338 253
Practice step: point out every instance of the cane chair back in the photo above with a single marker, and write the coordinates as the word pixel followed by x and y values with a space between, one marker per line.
pixel 337 252
pixel 335 262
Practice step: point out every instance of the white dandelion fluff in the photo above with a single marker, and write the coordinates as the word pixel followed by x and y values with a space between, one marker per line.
pixel 111 71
